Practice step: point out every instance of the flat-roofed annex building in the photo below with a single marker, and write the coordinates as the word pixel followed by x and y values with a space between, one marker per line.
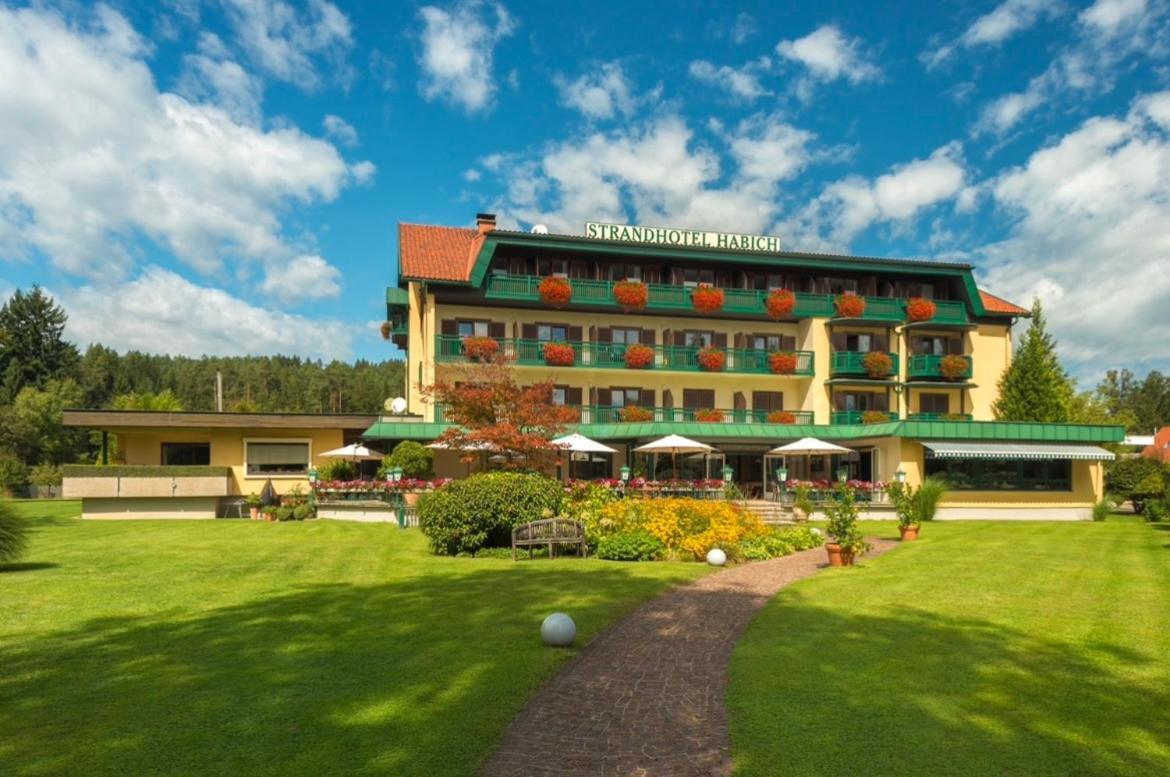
pixel 455 283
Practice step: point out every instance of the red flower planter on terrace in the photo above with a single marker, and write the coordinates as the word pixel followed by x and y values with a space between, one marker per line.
pixel 707 299
pixel 556 291
pixel 781 417
pixel 850 306
pixel 952 367
pixel 874 417
pixel 780 303
pixel 639 357
pixel 634 414
pixel 782 363
pixel 709 416
pixel 559 355
pixel 919 309
pixel 711 359
pixel 480 349
pixel 631 295
pixel 877 364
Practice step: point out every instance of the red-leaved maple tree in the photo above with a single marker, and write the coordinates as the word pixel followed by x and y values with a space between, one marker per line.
pixel 494 418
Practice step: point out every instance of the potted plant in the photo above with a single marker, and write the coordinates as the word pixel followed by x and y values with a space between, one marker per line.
pixel 555 291
pixel 707 299
pixel 919 309
pixel 874 417
pixel 953 367
pixel 417 463
pixel 384 328
pixel 877 364
pixel 559 354
pixel 781 417
pixel 253 502
pixel 841 512
pixel 779 303
pixel 631 295
pixel 915 505
pixel 639 357
pixel 849 306
pixel 710 358
pixel 802 502
pixel 782 362
pixel 480 349
pixel 709 416
pixel 269 513
pixel 635 414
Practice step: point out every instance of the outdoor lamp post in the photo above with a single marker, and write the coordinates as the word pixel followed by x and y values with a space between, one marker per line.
pixel 842 474
pixel 900 475
pixel 728 473
pixel 782 479
pixel 395 474
pixel 625 474
pixel 398 500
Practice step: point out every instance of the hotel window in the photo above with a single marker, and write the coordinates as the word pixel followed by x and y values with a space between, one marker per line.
pixel 993 475
pixel 934 403
pixel 693 277
pixel 557 267
pixel 936 345
pixel 276 458
pixel 924 290
pixel 767 400
pixel 625 336
pixel 471 328
pixel 842 285
pixel 860 400
pixel 178 454
pixel 698 399
pixel 859 343
pixel 767 281
pixel 625 272
pixel 552 332
pixel 560 395
pixel 697 339
pixel 624 397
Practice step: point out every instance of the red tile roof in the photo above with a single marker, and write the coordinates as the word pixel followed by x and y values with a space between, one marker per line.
pixel 437 253
pixel 995 304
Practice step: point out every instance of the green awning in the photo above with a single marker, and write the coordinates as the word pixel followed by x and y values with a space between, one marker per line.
pixel 1014 451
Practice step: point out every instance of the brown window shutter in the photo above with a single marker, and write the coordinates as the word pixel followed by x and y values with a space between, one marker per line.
pixel 528 331
pixel 680 338
pixel 838 401
pixel 725 280
pixel 881 343
pixel 739 401
pixel 604 334
pixel 740 340
pixel 667 337
pixel 720 340
pixel 760 400
pixel 448 326
pixel 788 342
pixel 573 397
pixel 575 333
pixel 593 398
pixel 668 398
pixel 955 346
pixel 708 397
pixel 578 269
pixel 646 337
pixel 778 401
pixel 647 397
pixel 497 329
pixel 838 340
pixel 881 402
pixel 690 398
pixel 651 275
pixel 604 397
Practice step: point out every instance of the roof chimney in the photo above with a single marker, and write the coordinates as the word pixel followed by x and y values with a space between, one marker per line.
pixel 485 222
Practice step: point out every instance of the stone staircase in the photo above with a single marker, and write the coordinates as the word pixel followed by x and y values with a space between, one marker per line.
pixel 770 512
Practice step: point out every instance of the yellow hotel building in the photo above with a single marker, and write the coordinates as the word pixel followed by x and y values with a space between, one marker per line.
pixel 858 369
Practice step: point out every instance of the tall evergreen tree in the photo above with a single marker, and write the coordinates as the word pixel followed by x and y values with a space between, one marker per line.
pixel 33 350
pixel 1035 387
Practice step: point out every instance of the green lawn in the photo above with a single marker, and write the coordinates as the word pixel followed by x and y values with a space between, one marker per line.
pixel 233 647
pixel 983 649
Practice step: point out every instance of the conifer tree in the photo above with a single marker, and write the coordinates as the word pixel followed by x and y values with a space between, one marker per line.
pixel 1035 387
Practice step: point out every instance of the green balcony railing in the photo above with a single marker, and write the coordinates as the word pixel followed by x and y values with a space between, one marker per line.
pixel 926 365
pixel 940 417
pixel 607 414
pixel 670 297
pixel 852 363
pixel 859 416
pixel 613 356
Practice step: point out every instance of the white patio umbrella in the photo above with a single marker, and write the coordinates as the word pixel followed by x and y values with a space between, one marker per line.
pixel 810 446
pixel 579 443
pixel 354 451
pixel 674 444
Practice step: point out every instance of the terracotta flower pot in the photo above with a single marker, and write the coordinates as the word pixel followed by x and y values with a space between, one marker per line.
pixel 838 556
pixel 410 498
pixel 908 533
pixel 254 512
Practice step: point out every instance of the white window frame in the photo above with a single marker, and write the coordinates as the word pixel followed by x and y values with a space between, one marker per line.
pixel 263 476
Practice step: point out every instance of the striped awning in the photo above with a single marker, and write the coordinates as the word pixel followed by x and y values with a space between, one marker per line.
pixel 1014 450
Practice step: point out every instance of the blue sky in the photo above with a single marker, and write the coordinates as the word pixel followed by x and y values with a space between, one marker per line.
pixel 226 176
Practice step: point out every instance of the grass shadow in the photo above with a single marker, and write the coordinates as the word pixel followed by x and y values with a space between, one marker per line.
pixel 27 566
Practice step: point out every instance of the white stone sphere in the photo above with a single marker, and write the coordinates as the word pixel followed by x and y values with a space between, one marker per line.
pixel 814 531
pixel 716 557
pixel 558 630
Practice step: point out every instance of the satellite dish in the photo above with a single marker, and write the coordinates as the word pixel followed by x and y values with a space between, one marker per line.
pixel 539 229
pixel 398 405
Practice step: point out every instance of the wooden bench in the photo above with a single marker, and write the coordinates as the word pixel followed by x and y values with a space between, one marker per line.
pixel 551 532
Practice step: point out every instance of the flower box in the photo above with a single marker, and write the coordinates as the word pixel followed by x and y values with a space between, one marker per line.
pixel 779 303
pixel 874 417
pixel 877 364
pixel 711 359
pixel 384 328
pixel 782 362
pixel 709 416
pixel 953 367
pixel 559 355
pixel 639 357
pixel 555 291
pixel 635 414
pixel 480 349
pixel 849 306
pixel 631 295
pixel 919 309
pixel 781 417
pixel 707 299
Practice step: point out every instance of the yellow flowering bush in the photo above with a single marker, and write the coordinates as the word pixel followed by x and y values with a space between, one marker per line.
pixel 689 526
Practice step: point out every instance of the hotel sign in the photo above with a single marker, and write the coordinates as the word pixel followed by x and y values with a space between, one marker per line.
pixel 681 238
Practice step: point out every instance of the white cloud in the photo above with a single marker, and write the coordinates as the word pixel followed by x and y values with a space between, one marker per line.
pixel 742 84
pixel 1109 15
pixel 598 95
pixel 829 55
pixel 340 130
pixel 996 26
pixel 92 155
pixel 212 76
pixel 285 43
pixel 302 278
pixel 1091 236
pixel 458 47
pixel 162 312
pixel 471 175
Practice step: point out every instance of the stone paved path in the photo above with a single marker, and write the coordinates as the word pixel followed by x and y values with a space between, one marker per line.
pixel 645 698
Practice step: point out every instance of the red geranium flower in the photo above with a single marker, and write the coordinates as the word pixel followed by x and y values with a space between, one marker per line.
pixel 556 291
pixel 780 303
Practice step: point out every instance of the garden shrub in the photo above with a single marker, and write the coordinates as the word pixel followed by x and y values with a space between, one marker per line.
pixel 779 542
pixel 13 533
pixel 584 503
pixel 416 460
pixel 1102 509
pixel 285 513
pixel 1156 510
pixel 1139 479
pixel 841 512
pixel 304 511
pixel 689 526
pixel 45 475
pixel 13 473
pixel 481 511
pixel 630 546
pixel 337 469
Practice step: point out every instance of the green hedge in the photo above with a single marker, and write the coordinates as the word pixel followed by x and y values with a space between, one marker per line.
pixel 481 511
pixel 144 471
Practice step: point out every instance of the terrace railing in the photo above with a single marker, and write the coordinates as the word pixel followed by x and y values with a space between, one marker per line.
pixel 860 416
pixel 853 363
pixel 926 365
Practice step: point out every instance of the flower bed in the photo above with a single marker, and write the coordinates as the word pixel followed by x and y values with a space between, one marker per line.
pixel 919 309
pixel 711 359
pixel 779 303
pixel 781 417
pixel 782 362
pixel 480 349
pixel 371 490
pixel 635 414
pixel 709 416
pixel 687 527
pixel 631 295
pixel 952 367
pixel 849 306
pixel 556 291
pixel 639 357
pixel 874 417
pixel 559 354
pixel 877 364
pixel 707 299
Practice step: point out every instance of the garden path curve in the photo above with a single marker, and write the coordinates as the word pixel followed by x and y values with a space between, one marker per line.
pixel 645 698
